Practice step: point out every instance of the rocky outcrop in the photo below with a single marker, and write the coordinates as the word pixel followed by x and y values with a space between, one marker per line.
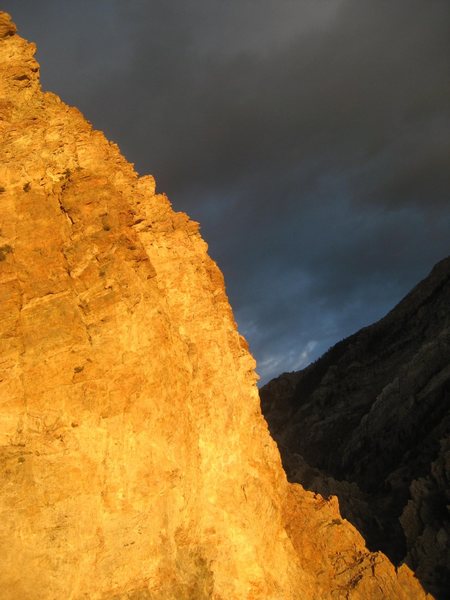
pixel 370 422
pixel 134 457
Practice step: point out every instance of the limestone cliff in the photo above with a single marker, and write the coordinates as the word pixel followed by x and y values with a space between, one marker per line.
pixel 135 461
pixel 370 422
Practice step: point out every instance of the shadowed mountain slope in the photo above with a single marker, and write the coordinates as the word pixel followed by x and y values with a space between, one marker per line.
pixel 369 421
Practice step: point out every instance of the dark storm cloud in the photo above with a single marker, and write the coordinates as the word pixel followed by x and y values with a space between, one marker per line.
pixel 311 140
pixel 218 108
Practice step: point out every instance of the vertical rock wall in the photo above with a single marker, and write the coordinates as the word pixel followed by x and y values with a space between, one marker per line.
pixel 134 458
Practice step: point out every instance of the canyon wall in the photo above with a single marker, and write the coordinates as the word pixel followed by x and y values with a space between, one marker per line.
pixel 370 422
pixel 135 460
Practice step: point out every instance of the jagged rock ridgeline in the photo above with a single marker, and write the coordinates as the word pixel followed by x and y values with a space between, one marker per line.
pixel 370 422
pixel 134 457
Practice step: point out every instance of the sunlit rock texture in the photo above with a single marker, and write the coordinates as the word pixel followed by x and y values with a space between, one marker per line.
pixel 134 458
pixel 370 422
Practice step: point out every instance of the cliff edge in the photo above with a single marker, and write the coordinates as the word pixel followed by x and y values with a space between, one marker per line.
pixel 135 460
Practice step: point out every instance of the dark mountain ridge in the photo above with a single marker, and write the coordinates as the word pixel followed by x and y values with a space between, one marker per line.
pixel 369 421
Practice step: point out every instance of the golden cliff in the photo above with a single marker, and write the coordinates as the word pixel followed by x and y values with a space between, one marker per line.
pixel 134 458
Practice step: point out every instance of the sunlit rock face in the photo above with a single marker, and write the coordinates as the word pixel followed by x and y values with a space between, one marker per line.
pixel 370 422
pixel 135 461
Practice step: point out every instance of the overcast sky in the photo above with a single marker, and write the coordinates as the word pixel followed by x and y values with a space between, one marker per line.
pixel 310 138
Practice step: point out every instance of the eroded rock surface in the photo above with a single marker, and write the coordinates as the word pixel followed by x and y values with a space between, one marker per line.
pixel 370 422
pixel 135 461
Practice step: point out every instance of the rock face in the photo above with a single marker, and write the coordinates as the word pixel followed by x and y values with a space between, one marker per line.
pixel 135 461
pixel 370 422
